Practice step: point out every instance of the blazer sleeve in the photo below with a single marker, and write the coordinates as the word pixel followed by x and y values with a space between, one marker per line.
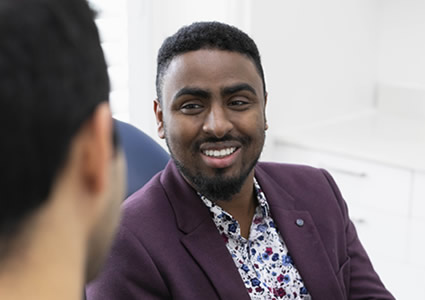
pixel 359 274
pixel 129 273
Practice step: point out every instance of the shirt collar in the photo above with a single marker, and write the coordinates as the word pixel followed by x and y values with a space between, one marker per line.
pixel 217 211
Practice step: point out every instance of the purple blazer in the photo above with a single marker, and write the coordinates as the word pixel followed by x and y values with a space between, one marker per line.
pixel 168 247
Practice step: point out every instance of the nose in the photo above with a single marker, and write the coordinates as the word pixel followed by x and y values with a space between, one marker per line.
pixel 217 122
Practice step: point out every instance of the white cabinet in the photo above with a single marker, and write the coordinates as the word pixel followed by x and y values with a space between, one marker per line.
pixel 418 205
pixel 387 206
pixel 382 235
pixel 417 222
pixel 405 281
pixel 366 184
pixel 416 242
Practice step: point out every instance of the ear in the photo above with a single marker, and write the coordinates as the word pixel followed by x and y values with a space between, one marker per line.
pixel 159 118
pixel 97 149
pixel 266 126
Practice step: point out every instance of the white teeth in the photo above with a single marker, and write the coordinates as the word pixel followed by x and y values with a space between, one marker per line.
pixel 220 153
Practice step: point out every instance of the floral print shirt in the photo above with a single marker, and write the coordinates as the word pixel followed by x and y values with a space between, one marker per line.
pixel 263 260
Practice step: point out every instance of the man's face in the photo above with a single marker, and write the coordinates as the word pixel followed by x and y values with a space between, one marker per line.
pixel 212 116
pixel 104 231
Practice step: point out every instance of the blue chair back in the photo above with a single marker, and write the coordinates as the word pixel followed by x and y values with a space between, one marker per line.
pixel 144 156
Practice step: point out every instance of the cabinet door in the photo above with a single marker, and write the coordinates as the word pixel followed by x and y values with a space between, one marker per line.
pixel 417 222
pixel 417 242
pixel 370 185
pixel 418 204
pixel 404 281
pixel 382 235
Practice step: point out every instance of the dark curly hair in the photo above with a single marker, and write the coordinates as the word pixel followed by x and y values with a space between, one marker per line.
pixel 205 35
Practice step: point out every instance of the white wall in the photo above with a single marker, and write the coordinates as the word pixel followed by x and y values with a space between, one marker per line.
pixel 401 57
pixel 402 42
pixel 320 58
pixel 141 64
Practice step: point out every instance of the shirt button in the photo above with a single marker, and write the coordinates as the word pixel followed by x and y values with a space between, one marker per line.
pixel 299 222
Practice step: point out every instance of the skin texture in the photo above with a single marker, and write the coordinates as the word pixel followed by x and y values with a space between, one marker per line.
pixel 214 100
pixel 65 241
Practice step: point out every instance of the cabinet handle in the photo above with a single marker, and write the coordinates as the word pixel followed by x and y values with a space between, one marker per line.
pixel 358 221
pixel 344 171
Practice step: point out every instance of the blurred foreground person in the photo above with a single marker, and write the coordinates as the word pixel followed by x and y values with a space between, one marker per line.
pixel 61 170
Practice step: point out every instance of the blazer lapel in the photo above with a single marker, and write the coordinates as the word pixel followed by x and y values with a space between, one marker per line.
pixel 201 238
pixel 303 241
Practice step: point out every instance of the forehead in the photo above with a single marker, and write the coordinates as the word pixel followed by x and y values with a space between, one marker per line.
pixel 210 69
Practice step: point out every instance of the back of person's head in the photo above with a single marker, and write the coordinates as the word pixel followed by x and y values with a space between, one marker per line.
pixel 205 35
pixel 53 75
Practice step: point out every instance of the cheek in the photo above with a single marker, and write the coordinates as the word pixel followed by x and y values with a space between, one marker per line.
pixel 251 125
pixel 181 133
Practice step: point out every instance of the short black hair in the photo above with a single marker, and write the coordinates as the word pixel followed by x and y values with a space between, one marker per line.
pixel 53 75
pixel 206 35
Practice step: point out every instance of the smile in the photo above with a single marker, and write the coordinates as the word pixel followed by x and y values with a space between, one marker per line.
pixel 219 153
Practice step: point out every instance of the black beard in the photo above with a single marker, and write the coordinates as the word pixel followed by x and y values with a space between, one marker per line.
pixel 217 187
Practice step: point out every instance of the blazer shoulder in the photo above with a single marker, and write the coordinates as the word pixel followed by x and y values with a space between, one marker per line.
pixel 150 190
pixel 308 185
pixel 288 172
pixel 147 205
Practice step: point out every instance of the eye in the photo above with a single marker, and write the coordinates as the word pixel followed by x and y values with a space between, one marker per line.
pixel 239 103
pixel 191 108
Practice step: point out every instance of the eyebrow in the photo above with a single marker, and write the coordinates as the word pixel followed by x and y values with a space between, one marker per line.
pixel 206 94
pixel 193 92
pixel 237 88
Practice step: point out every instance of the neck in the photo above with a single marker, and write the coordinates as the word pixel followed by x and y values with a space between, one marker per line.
pixel 48 263
pixel 242 205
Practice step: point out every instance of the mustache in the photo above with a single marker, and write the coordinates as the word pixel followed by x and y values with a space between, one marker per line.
pixel 245 140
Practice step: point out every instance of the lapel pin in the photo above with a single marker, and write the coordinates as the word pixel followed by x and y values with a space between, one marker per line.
pixel 299 222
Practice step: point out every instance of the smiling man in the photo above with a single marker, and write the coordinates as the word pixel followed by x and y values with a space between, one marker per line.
pixel 216 224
